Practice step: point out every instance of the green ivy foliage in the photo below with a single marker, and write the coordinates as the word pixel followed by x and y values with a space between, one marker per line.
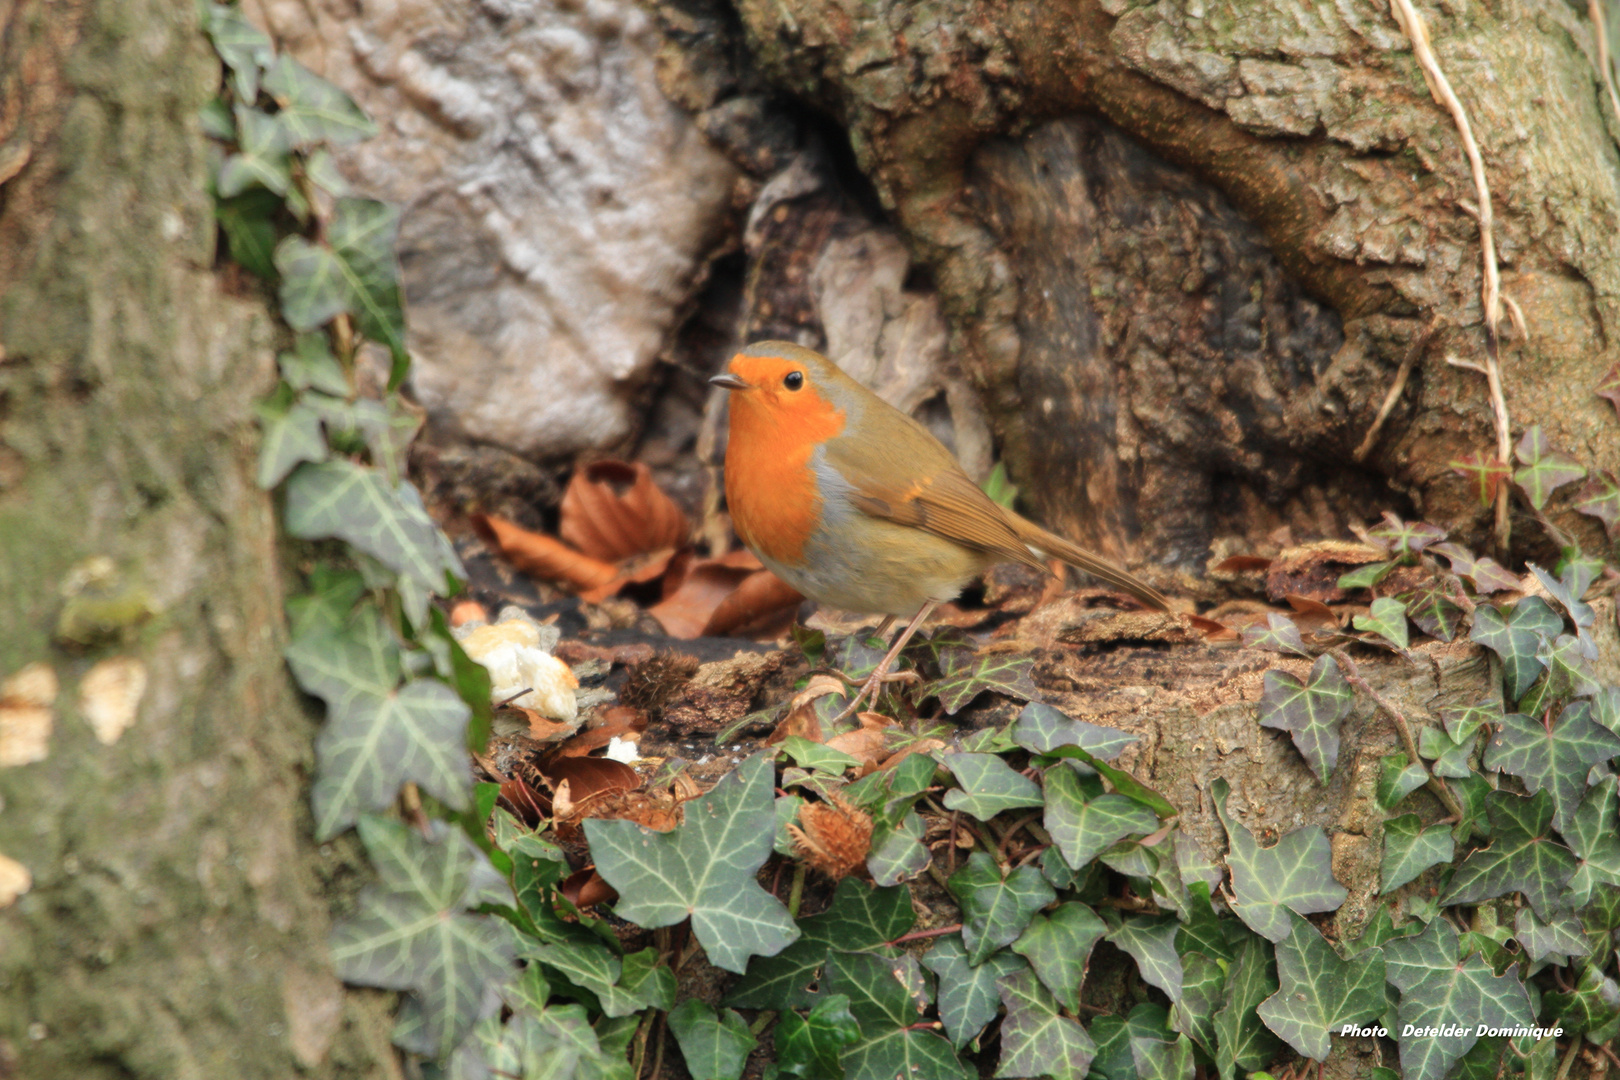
pixel 1229 969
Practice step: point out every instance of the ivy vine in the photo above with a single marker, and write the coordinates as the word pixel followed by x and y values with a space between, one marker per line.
pixel 1507 808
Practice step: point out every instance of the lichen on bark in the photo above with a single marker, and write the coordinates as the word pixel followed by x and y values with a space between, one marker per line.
pixel 177 918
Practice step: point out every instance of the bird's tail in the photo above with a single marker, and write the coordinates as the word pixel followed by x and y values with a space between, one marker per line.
pixel 1046 544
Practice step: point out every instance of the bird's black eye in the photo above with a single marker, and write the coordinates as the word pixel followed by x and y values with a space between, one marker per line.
pixel 793 380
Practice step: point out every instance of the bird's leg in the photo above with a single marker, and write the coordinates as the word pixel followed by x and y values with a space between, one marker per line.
pixel 881 674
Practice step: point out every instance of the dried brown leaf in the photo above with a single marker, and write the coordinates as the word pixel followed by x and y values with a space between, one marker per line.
pixel 614 722
pixel 762 604
pixel 864 743
pixel 612 510
pixel 543 556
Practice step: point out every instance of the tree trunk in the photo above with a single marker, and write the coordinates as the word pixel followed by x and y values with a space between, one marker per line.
pixel 1184 248
pixel 176 925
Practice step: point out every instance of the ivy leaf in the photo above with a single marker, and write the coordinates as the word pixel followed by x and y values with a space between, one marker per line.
pixel 859 917
pixel 1319 992
pixel 374 744
pixel 1463 722
pixel 292 435
pixel 898 853
pixel 1567 591
pixel 311 366
pixel 537 1041
pixel 1436 614
pixel 242 46
pixel 715 1046
pixel 1036 1040
pixel 1593 1005
pixel 1485 474
pixel 967 993
pixel 1558 939
pixel 1387 619
pixel 1449 756
pixel 1486 573
pixel 1122 1041
pixel 1296 873
pixel 1440 988
pixel 1279 635
pixel 1242 1041
pixel 1203 992
pixel 1592 836
pixel 312 109
pixel 1401 537
pixel 814 755
pixel 1554 756
pixel 261 156
pixel 1042 729
pixel 1517 636
pixel 704 868
pixel 1083 828
pixel 989 786
pixel 1310 712
pixel 344 501
pixel 809 1046
pixel 413 930
pixel 1410 849
pixel 1523 856
pixel 1162 1059
pixel 1545 470
pixel 354 272
pixel 889 1044
pixel 1151 942
pixel 965 675
pixel 1398 778
pixel 1365 577
pixel 378 735
pixel 1600 498
pixel 250 232
pixel 995 909
pixel 1608 387
pixel 637 982
pixel 1058 946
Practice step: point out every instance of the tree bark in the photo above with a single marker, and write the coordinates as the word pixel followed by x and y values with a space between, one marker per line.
pixel 1184 248
pixel 177 920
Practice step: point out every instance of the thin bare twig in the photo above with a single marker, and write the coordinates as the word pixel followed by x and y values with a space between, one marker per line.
pixel 1491 287
pixel 1352 675
pixel 1413 351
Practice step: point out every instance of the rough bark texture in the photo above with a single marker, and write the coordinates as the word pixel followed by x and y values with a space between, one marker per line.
pixel 177 921
pixel 1183 247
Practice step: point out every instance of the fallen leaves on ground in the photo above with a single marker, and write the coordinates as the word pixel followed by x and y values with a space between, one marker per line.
pixel 617 529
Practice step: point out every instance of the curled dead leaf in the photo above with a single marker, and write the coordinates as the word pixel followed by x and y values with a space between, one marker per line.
pixel 612 510
pixel 865 743
pixel 587 777
pixel 801 719
pixel 921 746
pixel 1310 612
pixel 614 722
pixel 762 603
pixel 529 805
pixel 585 888
pixel 543 556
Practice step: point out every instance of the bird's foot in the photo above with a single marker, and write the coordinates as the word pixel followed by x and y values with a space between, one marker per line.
pixel 871 687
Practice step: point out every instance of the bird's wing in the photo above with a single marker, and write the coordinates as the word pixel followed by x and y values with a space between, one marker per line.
pixel 940 498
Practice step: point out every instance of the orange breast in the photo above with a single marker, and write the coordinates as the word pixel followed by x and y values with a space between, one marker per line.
pixel 770 485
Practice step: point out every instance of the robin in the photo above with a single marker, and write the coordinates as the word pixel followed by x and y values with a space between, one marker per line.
pixel 858 506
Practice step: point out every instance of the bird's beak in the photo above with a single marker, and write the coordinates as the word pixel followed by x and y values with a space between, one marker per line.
pixel 729 381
